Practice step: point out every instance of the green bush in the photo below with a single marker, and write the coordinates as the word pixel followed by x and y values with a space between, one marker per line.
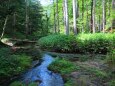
pixel 62 66
pixel 60 43
pixel 95 43
pixel 11 65
pixel 82 43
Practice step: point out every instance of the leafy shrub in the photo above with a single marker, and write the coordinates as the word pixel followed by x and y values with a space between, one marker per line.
pixel 95 43
pixel 11 65
pixel 62 66
pixel 60 43
pixel 82 43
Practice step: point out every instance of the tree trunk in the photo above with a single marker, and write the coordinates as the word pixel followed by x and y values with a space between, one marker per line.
pixel 57 15
pixel 54 18
pixel 14 22
pixel 103 21
pixel 67 18
pixel 83 15
pixel 99 24
pixel 5 23
pixel 94 2
pixel 27 18
pixel 91 21
pixel 113 9
pixel 87 20
pixel 64 13
pixel 74 16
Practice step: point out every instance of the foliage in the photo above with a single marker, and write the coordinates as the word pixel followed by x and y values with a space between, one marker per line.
pixel 112 83
pixel 15 27
pixel 96 43
pixel 18 83
pixel 83 43
pixel 12 64
pixel 111 57
pixel 60 43
pixel 62 66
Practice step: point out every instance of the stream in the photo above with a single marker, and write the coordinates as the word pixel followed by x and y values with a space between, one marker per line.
pixel 41 73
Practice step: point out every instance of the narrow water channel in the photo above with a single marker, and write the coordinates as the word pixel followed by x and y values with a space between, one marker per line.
pixel 41 73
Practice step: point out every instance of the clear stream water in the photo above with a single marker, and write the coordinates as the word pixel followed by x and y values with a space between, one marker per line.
pixel 41 73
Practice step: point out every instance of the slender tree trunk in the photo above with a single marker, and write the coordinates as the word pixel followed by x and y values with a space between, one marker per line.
pixel 83 15
pixel 64 13
pixel 91 23
pixel 94 2
pixel 87 20
pixel 57 15
pixel 103 21
pixel 109 8
pixel 67 17
pixel 5 23
pixel 99 24
pixel 54 18
pixel 14 22
pixel 113 9
pixel 27 18
pixel 74 16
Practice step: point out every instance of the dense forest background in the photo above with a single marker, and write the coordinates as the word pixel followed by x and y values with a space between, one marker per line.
pixel 28 19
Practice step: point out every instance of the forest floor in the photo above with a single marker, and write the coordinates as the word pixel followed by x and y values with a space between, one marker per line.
pixel 92 72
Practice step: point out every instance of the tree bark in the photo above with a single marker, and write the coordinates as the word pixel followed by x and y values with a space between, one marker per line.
pixel 67 18
pixel 94 2
pixel 74 16
pixel 5 23
pixel 83 15
pixel 57 15
pixel 103 21
pixel 91 21
pixel 113 9
pixel 27 18
pixel 54 18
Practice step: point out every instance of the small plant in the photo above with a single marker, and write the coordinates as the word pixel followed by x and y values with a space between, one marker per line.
pixel 112 83
pixel 111 57
pixel 18 83
pixel 62 66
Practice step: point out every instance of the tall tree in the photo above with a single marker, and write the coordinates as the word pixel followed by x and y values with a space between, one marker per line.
pixel 74 16
pixel 103 21
pixel 54 17
pixel 83 15
pixel 93 15
pixel 67 18
pixel 57 15
pixel 27 18
pixel 113 9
